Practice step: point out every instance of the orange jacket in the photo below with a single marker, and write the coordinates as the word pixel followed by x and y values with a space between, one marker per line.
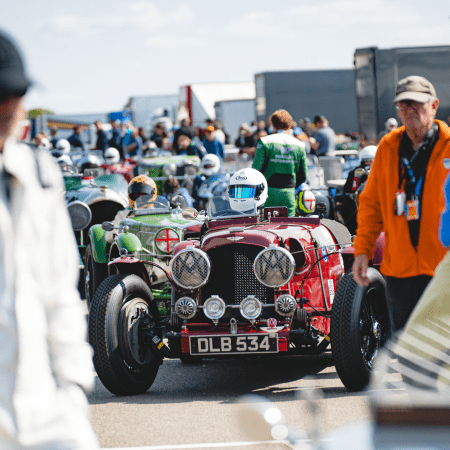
pixel 376 210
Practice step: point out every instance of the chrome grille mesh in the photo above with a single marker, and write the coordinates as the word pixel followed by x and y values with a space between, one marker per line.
pixel 232 276
pixel 190 268
pixel 274 267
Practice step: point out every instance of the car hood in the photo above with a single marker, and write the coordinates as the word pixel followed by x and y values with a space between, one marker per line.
pixel 262 236
pixel 173 220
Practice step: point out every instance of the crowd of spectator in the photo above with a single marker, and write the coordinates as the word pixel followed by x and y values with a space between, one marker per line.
pixel 184 138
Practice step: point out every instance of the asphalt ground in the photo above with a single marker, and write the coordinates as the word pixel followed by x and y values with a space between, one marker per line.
pixel 194 406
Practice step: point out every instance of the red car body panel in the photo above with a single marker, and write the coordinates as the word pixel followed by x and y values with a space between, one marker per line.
pixel 307 240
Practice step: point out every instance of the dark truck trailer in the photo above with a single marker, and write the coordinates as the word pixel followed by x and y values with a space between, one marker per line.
pixel 308 93
pixel 377 73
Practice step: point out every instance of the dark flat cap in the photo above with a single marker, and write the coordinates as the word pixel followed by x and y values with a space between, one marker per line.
pixel 13 80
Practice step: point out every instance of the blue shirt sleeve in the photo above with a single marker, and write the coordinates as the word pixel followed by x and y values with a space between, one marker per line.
pixel 444 226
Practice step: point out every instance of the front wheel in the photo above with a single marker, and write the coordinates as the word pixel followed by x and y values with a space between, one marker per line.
pixel 94 274
pixel 359 328
pixel 124 364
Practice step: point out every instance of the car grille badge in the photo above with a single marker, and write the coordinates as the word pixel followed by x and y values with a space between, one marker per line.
pixel 235 238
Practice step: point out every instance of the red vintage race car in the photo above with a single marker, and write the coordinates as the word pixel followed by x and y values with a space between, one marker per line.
pixel 255 283
pixel 125 168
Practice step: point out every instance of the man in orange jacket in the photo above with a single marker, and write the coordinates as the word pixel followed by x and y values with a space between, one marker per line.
pixel 403 197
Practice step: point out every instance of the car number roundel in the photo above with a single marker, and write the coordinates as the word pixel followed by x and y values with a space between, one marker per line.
pixel 166 239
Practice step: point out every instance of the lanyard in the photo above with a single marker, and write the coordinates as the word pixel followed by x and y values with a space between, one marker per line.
pixel 417 184
pixel 414 182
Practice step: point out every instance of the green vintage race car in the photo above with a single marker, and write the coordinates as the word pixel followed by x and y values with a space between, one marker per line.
pixel 182 167
pixel 92 200
pixel 148 232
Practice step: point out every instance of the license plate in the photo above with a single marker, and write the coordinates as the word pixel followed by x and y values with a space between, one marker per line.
pixel 233 344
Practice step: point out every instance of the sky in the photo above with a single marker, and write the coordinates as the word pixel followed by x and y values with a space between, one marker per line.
pixel 93 55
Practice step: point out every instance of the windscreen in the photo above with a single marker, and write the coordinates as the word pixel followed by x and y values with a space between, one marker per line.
pixel 220 207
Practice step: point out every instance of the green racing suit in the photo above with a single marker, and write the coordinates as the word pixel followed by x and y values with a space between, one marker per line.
pixel 282 160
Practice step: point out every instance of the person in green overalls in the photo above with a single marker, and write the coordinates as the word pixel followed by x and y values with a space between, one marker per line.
pixel 282 160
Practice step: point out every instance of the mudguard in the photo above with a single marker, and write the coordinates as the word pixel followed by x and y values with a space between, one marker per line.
pixel 129 242
pixel 131 265
pixel 96 236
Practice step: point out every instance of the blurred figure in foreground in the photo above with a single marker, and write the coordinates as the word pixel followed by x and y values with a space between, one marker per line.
pixel 45 362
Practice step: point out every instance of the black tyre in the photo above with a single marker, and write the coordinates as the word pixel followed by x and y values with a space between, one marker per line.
pixel 359 328
pixel 123 364
pixel 94 274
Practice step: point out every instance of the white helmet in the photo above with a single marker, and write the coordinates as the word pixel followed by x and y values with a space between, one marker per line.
pixel 248 187
pixel 368 153
pixel 63 145
pixel 391 124
pixel 210 164
pixel 64 160
pixel 306 200
pixel 45 144
pixel 112 156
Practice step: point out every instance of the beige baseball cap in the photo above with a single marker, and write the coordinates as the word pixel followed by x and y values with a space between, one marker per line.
pixel 415 88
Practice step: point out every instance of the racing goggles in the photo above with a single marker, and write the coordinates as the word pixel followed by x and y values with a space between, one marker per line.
pixel 245 191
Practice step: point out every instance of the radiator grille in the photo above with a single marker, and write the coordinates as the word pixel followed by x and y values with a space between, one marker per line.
pixel 232 277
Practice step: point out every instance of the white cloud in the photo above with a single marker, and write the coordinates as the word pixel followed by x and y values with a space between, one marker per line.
pixel 123 17
pixel 326 19
pixel 167 42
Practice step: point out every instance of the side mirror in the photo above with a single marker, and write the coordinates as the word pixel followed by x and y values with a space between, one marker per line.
pixel 108 226
pixel 189 213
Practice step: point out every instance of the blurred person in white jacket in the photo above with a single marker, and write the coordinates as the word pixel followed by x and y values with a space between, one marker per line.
pixel 45 360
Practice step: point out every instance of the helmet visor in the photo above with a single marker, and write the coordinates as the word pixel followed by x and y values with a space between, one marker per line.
pixel 242 191
pixel 137 189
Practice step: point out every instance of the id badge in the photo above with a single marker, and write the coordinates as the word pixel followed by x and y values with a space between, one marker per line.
pixel 400 200
pixel 412 210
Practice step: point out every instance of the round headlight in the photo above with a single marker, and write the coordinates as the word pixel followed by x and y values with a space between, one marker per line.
pixel 250 307
pixel 170 169
pixel 274 266
pixel 190 268
pixel 285 305
pixel 80 215
pixel 186 308
pixel 214 307
pixel 166 239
